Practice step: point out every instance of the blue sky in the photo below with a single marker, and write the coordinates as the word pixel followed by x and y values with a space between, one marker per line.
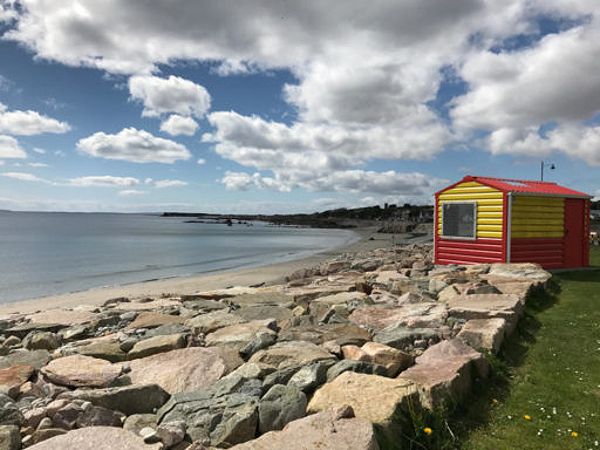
pixel 290 107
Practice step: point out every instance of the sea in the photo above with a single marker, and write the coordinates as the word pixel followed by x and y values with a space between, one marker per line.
pixel 45 253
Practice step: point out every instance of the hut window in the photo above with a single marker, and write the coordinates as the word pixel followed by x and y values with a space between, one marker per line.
pixel 458 220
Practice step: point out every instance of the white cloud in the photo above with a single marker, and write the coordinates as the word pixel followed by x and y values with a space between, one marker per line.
pixel 10 148
pixel 23 176
pixel 363 77
pixel 555 80
pixel 130 193
pixel 252 141
pixel 169 183
pixel 133 145
pixel 201 161
pixel 39 151
pixel 169 95
pixel 7 11
pixel 574 140
pixel 390 182
pixel 177 125
pixel 37 164
pixel 28 123
pixel 104 181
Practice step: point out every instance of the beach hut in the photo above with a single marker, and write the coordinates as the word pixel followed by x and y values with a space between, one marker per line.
pixel 490 220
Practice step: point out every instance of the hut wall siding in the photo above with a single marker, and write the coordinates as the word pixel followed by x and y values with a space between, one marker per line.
pixel 488 246
pixel 537 217
pixel 490 205
pixel 548 252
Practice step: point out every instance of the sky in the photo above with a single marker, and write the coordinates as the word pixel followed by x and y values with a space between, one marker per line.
pixel 287 106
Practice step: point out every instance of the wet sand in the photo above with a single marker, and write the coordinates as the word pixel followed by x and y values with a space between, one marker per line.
pixel 268 274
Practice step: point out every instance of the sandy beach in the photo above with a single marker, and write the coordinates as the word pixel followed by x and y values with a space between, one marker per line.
pixel 268 274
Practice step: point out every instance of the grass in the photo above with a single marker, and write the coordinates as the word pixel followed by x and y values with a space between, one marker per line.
pixel 546 394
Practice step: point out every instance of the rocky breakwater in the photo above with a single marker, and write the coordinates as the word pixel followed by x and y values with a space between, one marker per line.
pixel 331 359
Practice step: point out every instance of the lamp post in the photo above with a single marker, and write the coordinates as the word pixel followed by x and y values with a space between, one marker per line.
pixel 550 166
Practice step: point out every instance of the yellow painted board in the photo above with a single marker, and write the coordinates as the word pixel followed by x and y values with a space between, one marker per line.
pixel 530 208
pixel 537 199
pixel 490 234
pixel 538 229
pixel 523 234
pixel 470 196
pixel 543 221
pixel 489 221
pixel 489 228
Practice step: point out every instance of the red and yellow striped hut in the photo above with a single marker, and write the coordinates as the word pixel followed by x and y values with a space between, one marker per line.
pixel 489 220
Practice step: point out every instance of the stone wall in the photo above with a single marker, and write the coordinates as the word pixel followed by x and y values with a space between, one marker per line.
pixel 331 359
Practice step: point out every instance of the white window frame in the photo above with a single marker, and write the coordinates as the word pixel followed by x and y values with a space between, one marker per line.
pixel 461 238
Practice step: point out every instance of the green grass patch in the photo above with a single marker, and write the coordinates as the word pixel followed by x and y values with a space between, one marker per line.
pixel 546 394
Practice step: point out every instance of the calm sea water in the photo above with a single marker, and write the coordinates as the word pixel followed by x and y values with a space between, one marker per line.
pixel 52 253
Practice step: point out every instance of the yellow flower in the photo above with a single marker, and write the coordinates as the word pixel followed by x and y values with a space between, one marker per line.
pixel 574 434
pixel 427 431
pixel 494 401
pixel 527 417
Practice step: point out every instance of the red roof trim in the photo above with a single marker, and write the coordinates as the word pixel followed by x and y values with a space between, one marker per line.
pixel 522 187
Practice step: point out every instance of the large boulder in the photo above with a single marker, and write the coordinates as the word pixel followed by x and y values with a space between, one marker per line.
pixel 238 336
pixel 374 352
pixel 304 294
pixel 293 353
pixel 96 438
pixel 347 365
pixel 212 321
pixel 13 377
pixel 487 306
pixel 136 422
pixel 134 399
pixel 309 377
pixel 24 329
pixel 81 371
pixel 401 337
pixel 520 271
pixel 156 344
pixel 64 317
pixel 486 334
pixel 97 416
pixel 36 358
pixel 319 306
pixel 445 372
pixel 41 340
pixel 280 405
pixel 108 350
pixel 275 312
pixel 340 333
pixel 153 319
pixel 328 430
pixel 185 369
pixel 379 400
pixel 419 315
pixel 222 415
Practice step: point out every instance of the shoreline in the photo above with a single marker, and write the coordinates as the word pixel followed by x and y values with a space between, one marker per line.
pixel 247 276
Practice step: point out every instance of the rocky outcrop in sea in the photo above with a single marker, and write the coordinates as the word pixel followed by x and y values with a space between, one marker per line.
pixel 333 359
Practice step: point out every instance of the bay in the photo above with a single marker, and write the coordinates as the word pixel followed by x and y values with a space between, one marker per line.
pixel 45 253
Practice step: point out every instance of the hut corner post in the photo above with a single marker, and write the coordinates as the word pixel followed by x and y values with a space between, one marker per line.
pixel 508 229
